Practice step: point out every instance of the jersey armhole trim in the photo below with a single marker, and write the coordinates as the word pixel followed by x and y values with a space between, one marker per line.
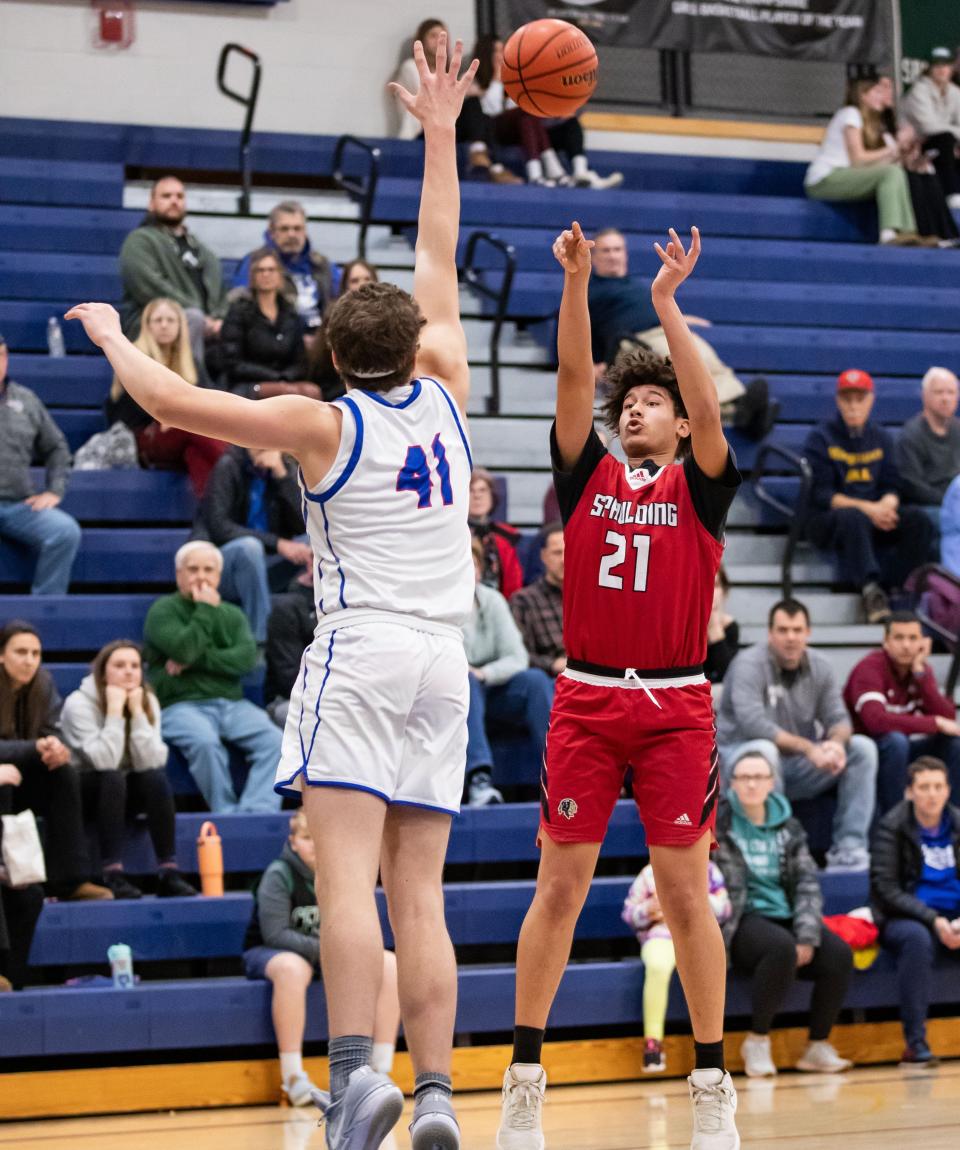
pixel 351 464
pixel 454 411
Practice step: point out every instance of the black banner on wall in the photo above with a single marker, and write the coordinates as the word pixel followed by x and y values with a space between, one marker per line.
pixel 832 30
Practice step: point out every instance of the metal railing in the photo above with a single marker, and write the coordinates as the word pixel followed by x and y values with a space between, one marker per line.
pixel 499 296
pixel 795 515
pixel 249 101
pixel 922 583
pixel 364 187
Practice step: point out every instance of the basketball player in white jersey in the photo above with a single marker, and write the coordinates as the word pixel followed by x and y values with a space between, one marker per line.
pixel 376 735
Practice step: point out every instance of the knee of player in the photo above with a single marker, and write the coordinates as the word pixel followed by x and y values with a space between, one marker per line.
pixel 289 967
pixel 561 896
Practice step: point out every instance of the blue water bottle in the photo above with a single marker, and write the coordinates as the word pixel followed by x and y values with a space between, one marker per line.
pixel 121 966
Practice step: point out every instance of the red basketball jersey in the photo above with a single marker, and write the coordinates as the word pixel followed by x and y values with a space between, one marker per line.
pixel 642 548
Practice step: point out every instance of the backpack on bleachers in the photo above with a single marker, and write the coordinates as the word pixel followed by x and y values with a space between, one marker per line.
pixel 114 449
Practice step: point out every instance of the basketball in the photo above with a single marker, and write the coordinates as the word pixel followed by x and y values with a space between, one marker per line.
pixel 549 68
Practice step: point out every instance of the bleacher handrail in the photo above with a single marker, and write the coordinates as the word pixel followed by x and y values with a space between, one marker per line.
pixel 499 296
pixel 248 101
pixel 363 188
pixel 795 515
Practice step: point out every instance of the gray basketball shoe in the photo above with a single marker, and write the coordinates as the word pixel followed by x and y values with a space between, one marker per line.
pixel 366 1113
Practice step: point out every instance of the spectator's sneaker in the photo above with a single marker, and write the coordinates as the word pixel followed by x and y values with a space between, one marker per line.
pixel 88 892
pixel 501 175
pixel 920 1056
pixel 5 985
pixel 366 1113
pixel 848 860
pixel 120 886
pixel 876 605
pixel 821 1058
pixel 434 1125
pixel 653 1059
pixel 591 179
pixel 714 1111
pixel 298 1090
pixel 481 792
pixel 524 1086
pixel 757 1059
pixel 172 884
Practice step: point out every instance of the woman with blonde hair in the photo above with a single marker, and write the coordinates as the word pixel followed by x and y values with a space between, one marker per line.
pixel 165 337
pixel 112 722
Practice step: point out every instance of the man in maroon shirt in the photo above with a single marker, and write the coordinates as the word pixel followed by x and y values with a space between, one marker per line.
pixel 893 697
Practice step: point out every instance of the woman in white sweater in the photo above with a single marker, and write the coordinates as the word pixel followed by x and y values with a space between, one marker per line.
pixel 113 723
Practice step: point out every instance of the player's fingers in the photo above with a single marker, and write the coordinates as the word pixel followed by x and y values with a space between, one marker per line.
pixel 467 78
pixel 577 230
pixel 456 59
pixel 694 241
pixel 662 254
pixel 420 59
pixel 441 53
pixel 400 93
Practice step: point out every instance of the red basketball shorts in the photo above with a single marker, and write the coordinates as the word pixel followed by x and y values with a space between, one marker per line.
pixel 597 732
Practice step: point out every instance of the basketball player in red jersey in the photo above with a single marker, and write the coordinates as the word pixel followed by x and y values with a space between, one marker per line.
pixel 644 539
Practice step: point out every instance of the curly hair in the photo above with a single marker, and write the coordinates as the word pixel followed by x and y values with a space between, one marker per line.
pixel 371 330
pixel 638 366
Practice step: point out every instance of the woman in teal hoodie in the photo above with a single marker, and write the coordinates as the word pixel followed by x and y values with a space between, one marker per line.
pixel 775 932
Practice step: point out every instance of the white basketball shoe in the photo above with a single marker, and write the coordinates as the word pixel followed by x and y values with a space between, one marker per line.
pixel 714 1111
pixel 524 1085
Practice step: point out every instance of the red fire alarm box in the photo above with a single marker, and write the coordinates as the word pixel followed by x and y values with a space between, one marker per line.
pixel 113 23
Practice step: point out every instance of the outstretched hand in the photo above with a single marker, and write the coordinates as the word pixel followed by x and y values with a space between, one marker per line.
pixel 100 320
pixel 572 250
pixel 439 99
pixel 677 263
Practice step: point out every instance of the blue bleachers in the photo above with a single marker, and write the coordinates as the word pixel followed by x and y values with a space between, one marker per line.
pixel 42 275
pixel 74 381
pixel 127 497
pixel 79 622
pixel 35 229
pixel 86 184
pixel 147 557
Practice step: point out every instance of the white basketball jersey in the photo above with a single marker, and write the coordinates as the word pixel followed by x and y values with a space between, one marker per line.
pixel 388 523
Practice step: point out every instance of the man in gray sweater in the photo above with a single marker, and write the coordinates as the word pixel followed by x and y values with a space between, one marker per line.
pixel 928 448
pixel 782 700
pixel 32 519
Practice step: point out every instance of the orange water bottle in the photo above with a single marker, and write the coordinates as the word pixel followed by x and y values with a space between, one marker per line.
pixel 210 860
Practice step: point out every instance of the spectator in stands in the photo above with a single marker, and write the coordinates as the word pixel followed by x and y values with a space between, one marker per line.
pixel 928 448
pixel 644 915
pixel 283 946
pixel 620 309
pixel 855 501
pixel 161 257
pixel 163 337
pixel 893 697
pixel 320 367
pixel 198 649
pixel 290 628
pixel 915 894
pixel 20 908
pixel 781 698
pixel 474 127
pixel 44 778
pixel 933 108
pixel 261 342
pixel 112 722
pixel 846 169
pixel 504 690
pixel 723 631
pixel 252 512
pixel 538 609
pixel 775 932
pixel 310 279
pixel 950 528
pixel 33 519
pixel 500 563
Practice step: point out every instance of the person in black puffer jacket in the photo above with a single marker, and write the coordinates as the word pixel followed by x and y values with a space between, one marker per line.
pixel 915 893
pixel 775 932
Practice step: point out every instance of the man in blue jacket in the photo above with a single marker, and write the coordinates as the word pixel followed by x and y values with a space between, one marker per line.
pixel 855 509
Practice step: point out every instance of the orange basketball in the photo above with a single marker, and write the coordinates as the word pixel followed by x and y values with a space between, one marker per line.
pixel 549 68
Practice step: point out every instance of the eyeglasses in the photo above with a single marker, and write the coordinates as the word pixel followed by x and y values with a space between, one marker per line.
pixel 753 778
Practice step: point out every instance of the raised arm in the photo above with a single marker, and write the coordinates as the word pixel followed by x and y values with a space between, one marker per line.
pixel 575 376
pixel 697 388
pixel 437 104
pixel 306 429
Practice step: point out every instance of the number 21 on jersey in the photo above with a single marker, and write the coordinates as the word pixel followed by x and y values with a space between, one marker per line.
pixel 416 474
pixel 613 565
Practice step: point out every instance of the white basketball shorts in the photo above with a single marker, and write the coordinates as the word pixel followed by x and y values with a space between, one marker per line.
pixel 380 707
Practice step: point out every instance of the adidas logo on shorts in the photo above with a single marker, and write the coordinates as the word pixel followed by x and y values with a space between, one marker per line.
pixel 683 821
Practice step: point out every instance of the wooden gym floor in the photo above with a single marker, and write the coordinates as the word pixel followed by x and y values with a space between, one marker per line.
pixel 874 1108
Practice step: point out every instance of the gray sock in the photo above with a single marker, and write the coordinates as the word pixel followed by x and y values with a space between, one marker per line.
pixel 346 1054
pixel 428 1082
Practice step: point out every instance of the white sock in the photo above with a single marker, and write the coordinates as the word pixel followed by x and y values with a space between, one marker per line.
pixel 552 165
pixel 478 146
pixel 382 1058
pixel 534 171
pixel 886 235
pixel 291 1065
pixel 580 166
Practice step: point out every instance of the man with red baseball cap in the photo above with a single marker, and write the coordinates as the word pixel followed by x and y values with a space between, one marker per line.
pixel 855 510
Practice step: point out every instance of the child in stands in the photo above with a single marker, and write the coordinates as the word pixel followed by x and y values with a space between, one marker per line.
pixel 283 946
pixel 644 915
